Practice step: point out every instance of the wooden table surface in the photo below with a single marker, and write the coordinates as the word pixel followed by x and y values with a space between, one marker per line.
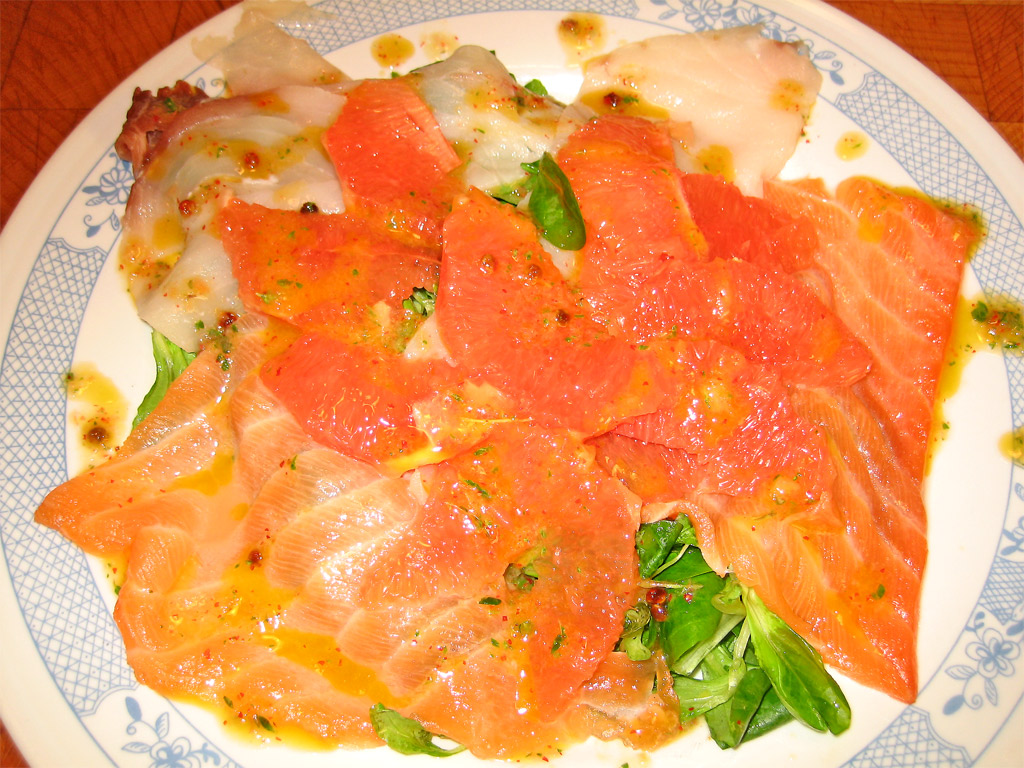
pixel 59 58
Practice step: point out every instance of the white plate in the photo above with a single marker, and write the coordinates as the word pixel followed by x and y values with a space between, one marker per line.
pixel 65 689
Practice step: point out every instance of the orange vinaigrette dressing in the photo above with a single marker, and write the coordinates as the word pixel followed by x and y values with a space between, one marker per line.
pixel 581 35
pixel 250 596
pixel 978 325
pixel 1011 445
pixel 98 413
pixel 623 101
pixel 248 603
pixel 439 44
pixel 391 51
pixel 789 96
pixel 851 145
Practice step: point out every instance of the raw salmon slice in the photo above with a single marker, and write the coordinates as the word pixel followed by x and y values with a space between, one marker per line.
pixel 846 572
pixel 526 498
pixel 896 262
pixel 291 586
pixel 195 614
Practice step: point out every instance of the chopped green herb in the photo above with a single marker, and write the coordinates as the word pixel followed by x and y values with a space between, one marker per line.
pixel 421 302
pixel 520 578
pixel 478 488
pixel 558 641
pixel 537 87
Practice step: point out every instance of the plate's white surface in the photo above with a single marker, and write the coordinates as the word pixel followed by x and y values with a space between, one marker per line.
pixel 65 689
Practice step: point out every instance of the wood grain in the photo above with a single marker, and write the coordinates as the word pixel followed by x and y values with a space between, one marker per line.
pixel 58 59
pixel 977 48
pixel 65 57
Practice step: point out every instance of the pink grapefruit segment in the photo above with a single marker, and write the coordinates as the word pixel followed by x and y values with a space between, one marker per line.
pixel 392 158
pixel 338 274
pixel 637 219
pixel 509 317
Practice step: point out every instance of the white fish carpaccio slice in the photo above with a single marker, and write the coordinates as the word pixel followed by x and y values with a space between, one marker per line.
pixel 747 98
pixel 493 122
pixel 261 55
pixel 263 148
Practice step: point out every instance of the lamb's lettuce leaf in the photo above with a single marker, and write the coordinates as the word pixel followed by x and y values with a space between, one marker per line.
pixel 171 360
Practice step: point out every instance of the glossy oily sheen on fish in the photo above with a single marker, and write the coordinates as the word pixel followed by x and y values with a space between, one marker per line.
pixel 406 471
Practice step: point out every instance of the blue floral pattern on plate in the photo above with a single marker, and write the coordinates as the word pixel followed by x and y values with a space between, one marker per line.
pixel 111 192
pixel 155 741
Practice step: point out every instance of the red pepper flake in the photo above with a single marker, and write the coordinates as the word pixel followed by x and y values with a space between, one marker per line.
pixel 187 207
pixel 612 100
pixel 251 160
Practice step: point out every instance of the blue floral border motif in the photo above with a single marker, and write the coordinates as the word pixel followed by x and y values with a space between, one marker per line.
pixel 996 629
pixel 994 656
pixel 164 751
pixel 111 191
